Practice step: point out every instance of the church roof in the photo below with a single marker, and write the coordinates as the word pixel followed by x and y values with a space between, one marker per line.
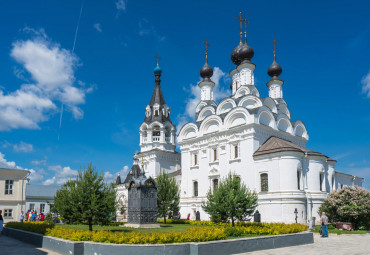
pixel 157 97
pixel 274 144
pixel 176 173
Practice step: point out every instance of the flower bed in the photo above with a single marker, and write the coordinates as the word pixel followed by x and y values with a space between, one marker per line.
pixel 204 231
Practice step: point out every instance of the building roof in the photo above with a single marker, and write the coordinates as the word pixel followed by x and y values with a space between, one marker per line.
pixel 176 173
pixel 41 190
pixel 20 173
pixel 274 145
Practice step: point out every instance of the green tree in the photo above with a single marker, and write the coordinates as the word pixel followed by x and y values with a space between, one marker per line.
pixel 232 200
pixel 349 204
pixel 87 199
pixel 168 196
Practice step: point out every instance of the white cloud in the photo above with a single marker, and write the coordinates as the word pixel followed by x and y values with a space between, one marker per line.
pixel 145 28
pixel 51 69
pixel 7 164
pixel 366 85
pixel 193 100
pixel 109 177
pixel 23 147
pixel 39 162
pixel 35 176
pixel 121 5
pixel 98 27
pixel 62 175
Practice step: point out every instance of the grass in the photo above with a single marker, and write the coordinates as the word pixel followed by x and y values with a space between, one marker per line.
pixel 164 228
pixel 341 232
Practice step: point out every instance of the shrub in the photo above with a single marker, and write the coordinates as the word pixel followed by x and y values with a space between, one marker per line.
pixel 192 234
pixel 349 204
pixel 37 227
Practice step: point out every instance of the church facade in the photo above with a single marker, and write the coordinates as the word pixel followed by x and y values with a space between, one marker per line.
pixel 252 137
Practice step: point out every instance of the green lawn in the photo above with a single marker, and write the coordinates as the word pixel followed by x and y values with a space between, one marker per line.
pixel 341 232
pixel 164 228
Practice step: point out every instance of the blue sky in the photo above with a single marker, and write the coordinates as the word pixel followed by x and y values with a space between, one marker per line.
pixel 104 78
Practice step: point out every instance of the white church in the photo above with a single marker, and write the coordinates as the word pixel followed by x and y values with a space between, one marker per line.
pixel 243 134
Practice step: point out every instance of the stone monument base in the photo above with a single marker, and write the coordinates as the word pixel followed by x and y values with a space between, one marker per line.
pixel 141 225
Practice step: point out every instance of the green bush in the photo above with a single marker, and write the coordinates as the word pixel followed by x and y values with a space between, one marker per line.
pixel 349 204
pixel 32 227
pixel 192 234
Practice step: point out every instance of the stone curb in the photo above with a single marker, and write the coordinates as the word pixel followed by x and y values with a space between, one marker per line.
pixel 221 247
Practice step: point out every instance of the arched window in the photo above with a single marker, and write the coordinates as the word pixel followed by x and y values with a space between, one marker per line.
pixel 321 181
pixel 195 187
pixel 299 179
pixel 156 131
pixel 215 184
pixel 168 131
pixel 264 183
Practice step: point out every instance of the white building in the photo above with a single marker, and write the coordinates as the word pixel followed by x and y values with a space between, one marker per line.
pixel 12 193
pixel 252 137
pixel 256 139
pixel 40 197
pixel 157 142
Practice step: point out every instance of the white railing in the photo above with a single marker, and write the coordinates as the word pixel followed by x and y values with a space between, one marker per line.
pixel 156 138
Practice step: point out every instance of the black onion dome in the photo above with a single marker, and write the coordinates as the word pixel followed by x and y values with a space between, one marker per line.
pixel 235 54
pixel 206 72
pixel 245 54
pixel 274 70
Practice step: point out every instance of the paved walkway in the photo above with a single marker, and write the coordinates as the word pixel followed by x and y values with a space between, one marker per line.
pixel 335 244
pixel 11 246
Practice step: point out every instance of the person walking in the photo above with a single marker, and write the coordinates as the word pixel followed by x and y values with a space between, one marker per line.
pixel 22 216
pixel 324 225
pixel 33 218
pixel 1 222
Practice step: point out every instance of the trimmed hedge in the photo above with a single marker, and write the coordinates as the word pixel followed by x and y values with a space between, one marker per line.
pixel 213 231
pixel 37 227
pixel 192 234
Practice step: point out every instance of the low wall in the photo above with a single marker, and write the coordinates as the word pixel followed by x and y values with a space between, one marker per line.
pixel 220 247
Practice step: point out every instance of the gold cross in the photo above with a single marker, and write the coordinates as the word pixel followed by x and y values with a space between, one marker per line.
pixel 245 21
pixel 241 25
pixel 206 44
pixel 142 161
pixel 274 42
pixel 158 58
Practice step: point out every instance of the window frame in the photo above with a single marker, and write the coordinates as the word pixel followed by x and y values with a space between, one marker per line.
pixel 7 212
pixel 195 189
pixel 264 179
pixel 42 208
pixel 9 187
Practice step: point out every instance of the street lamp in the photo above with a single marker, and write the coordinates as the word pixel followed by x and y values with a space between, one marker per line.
pixel 296 215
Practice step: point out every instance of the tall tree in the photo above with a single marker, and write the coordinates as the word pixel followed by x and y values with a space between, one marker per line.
pixel 86 199
pixel 168 195
pixel 232 200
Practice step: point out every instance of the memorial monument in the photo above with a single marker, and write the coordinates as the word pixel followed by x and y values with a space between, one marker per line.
pixel 142 200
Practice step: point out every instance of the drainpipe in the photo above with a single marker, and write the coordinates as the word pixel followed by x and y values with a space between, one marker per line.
pixel 22 204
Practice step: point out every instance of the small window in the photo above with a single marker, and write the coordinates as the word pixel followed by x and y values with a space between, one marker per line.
pixel 215 184
pixel 32 207
pixel 264 183
pixel 195 189
pixel 214 154
pixel 299 180
pixel 9 187
pixel 332 183
pixel 8 213
pixel 236 151
pixel 195 159
pixel 321 181
pixel 42 208
pixel 156 113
